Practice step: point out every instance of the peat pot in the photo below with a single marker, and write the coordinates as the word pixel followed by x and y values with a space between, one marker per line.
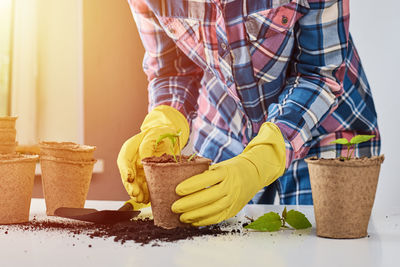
pixel 343 193
pixel 163 174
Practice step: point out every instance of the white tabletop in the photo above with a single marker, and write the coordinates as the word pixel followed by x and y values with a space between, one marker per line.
pixel 283 248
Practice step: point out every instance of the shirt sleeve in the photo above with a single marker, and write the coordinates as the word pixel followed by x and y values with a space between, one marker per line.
pixel 317 72
pixel 173 78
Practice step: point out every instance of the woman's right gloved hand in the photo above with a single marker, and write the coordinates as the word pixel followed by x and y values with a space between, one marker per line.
pixel 161 120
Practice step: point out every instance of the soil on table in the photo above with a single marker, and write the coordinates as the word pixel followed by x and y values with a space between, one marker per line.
pixel 142 231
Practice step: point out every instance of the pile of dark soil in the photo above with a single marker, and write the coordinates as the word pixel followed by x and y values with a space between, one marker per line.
pixel 140 231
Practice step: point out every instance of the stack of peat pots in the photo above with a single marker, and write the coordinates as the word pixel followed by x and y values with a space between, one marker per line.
pixel 17 174
pixel 66 173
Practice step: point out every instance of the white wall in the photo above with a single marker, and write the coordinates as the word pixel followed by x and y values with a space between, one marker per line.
pixel 375 27
pixel 47 87
pixel 60 71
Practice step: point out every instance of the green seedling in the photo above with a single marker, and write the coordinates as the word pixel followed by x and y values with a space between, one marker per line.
pixel 271 222
pixel 352 143
pixel 191 157
pixel 174 138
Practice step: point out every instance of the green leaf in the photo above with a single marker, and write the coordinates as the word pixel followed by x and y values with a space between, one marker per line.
pixel 284 213
pixel 360 139
pixel 269 222
pixel 171 137
pixel 297 220
pixel 341 141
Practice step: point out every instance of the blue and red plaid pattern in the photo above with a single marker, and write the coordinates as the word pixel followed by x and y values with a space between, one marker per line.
pixel 231 65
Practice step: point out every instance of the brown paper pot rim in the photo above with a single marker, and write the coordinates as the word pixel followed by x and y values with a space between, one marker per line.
pixel 83 162
pixel 197 160
pixel 69 146
pixel 8 118
pixel 8 130
pixel 354 162
pixel 10 158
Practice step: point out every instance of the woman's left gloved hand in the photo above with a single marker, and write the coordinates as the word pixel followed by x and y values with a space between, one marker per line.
pixel 222 191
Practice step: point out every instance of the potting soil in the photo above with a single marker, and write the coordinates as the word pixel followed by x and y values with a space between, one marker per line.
pixel 142 231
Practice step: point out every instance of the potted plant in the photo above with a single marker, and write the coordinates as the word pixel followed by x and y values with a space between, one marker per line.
pixel 163 174
pixel 343 191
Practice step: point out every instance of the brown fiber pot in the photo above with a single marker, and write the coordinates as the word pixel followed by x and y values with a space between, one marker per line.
pixel 343 194
pixel 65 183
pixel 162 179
pixel 67 150
pixel 8 122
pixel 8 148
pixel 17 173
pixel 7 135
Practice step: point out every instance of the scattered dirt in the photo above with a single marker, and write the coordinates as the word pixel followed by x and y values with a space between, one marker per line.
pixel 140 231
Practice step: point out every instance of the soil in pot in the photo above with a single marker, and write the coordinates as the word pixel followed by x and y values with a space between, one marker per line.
pixel 163 174
pixel 343 194
pixel 17 173
pixel 65 183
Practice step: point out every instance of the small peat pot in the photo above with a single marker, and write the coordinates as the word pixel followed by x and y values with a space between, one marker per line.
pixel 8 148
pixel 8 122
pixel 17 173
pixel 7 135
pixel 67 150
pixel 65 182
pixel 163 174
pixel 343 193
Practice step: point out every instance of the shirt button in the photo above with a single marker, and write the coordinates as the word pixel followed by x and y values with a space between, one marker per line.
pixel 171 30
pixel 223 46
pixel 193 115
pixel 284 19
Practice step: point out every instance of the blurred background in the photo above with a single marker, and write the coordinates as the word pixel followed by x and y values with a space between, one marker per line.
pixel 71 70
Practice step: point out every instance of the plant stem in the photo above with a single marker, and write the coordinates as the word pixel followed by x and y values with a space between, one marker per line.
pixel 352 152
pixel 248 218
pixel 283 222
pixel 348 152
pixel 179 149
pixel 191 157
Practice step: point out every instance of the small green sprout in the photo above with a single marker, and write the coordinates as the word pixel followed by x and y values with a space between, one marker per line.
pixel 352 143
pixel 191 157
pixel 174 138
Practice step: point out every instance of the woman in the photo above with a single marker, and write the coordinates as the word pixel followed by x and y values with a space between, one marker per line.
pixel 258 86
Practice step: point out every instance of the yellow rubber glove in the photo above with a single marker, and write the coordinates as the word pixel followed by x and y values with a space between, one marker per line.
pixel 131 204
pixel 161 120
pixel 222 191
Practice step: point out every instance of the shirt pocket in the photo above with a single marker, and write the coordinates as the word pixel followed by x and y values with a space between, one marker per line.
pixel 270 37
pixel 186 33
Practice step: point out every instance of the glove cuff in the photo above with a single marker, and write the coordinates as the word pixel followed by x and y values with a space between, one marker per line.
pixel 267 152
pixel 167 116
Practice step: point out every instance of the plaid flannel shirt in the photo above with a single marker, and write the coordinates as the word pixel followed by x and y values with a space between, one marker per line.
pixel 231 65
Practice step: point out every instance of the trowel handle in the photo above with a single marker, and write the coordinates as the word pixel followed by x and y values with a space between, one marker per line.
pixel 133 205
pixel 126 207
